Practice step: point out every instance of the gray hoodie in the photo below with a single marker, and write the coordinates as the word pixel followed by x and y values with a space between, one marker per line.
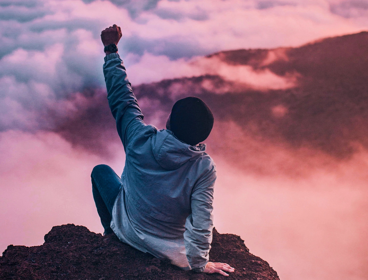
pixel 165 203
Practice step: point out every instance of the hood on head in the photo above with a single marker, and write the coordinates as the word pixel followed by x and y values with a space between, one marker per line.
pixel 171 153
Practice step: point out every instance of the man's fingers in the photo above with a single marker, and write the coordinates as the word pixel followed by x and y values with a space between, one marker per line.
pixel 228 266
pixel 225 266
pixel 220 265
pixel 222 272
pixel 112 28
pixel 229 269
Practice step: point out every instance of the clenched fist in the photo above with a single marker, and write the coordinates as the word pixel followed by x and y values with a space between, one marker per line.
pixel 111 35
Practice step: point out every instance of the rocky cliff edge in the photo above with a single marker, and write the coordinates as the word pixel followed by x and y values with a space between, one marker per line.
pixel 73 252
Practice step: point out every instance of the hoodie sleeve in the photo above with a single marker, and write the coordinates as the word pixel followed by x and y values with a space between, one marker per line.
pixel 199 224
pixel 123 103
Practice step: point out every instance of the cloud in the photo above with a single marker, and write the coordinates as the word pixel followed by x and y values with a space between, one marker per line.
pixel 21 3
pixel 85 121
pixel 37 80
pixel 262 79
pixel 135 8
pixel 21 108
pixel 169 11
pixel 271 4
pixel 45 182
pixel 290 132
pixel 21 13
pixel 282 217
pixel 174 47
pixel 244 75
pixel 350 9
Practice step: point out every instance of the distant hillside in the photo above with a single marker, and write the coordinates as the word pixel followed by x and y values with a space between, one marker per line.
pixel 326 111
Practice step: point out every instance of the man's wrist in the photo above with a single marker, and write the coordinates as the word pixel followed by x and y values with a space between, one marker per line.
pixel 110 48
pixel 199 269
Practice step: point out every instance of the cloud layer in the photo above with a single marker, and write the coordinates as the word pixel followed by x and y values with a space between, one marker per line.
pixel 51 51
pixel 290 136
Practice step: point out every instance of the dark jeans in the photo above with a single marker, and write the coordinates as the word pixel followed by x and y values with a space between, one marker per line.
pixel 105 187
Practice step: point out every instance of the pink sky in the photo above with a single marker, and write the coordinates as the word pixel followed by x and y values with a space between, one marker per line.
pixel 311 226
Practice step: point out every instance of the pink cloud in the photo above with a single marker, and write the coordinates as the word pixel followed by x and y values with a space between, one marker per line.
pixel 45 182
pixel 308 228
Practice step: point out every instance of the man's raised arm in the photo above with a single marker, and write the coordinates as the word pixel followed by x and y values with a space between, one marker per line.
pixel 122 102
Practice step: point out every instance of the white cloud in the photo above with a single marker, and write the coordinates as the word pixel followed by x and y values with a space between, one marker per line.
pixel 244 74
pixel 155 68
pixel 33 65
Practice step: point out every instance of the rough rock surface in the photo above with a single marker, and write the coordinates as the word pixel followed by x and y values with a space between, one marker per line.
pixel 73 252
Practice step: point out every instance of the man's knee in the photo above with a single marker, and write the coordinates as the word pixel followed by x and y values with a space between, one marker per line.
pixel 100 169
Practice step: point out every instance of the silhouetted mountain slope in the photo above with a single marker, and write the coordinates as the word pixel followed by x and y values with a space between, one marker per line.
pixel 326 111
pixel 326 59
pixel 73 252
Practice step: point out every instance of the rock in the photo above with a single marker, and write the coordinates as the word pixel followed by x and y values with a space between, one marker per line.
pixel 73 252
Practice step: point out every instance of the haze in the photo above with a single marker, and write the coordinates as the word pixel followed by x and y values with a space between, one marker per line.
pixel 290 138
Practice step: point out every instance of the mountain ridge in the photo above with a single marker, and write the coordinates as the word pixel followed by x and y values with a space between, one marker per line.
pixel 324 113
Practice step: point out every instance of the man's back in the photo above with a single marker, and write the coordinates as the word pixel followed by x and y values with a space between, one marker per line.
pixel 166 183
pixel 160 175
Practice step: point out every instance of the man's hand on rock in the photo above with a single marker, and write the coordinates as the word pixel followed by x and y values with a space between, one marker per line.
pixel 216 267
pixel 111 35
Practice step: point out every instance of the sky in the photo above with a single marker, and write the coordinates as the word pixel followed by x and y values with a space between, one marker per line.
pixel 298 205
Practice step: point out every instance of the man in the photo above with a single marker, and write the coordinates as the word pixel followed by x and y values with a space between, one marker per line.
pixel 162 204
